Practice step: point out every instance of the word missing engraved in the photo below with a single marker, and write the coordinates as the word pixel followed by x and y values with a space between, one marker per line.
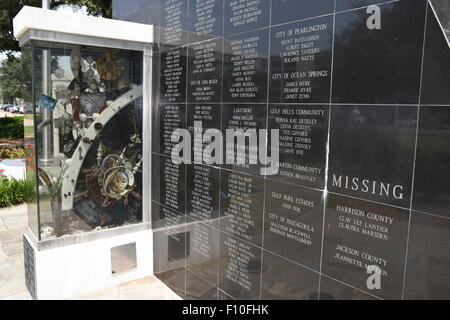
pixel 242 147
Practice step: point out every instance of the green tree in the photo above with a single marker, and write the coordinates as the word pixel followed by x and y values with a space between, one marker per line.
pixel 10 8
pixel 15 77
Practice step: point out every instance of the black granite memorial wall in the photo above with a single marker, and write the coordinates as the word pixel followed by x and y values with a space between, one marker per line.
pixel 364 165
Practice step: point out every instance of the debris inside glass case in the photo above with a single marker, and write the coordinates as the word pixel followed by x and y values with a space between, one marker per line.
pixel 95 179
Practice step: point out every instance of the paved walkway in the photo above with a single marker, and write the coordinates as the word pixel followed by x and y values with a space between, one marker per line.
pixel 13 222
pixel 150 288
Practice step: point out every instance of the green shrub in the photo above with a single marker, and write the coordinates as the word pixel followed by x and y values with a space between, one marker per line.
pixel 11 128
pixel 14 192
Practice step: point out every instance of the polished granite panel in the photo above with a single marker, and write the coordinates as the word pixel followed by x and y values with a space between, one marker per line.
pixel 342 5
pixel 174 18
pixel 173 77
pixel 334 290
pixel 169 183
pixel 205 71
pixel 244 121
pixel 432 178
pixel 300 61
pixel 239 268
pixel 284 280
pixel 223 296
pixel 436 63
pixel 169 254
pixel 202 193
pixel 288 10
pixel 442 11
pixel 175 279
pixel 245 15
pixel 344 98
pixel 141 11
pixel 428 268
pixel 199 289
pixel 203 250
pixel 203 123
pixel 167 118
pixel 170 246
pixel 246 59
pixel 303 132
pixel 241 206
pixel 372 152
pixel 293 223
pixel 166 218
pixel 205 19
pixel 359 234
pixel 379 66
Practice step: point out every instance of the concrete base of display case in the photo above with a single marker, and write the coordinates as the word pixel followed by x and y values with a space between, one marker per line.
pixel 78 269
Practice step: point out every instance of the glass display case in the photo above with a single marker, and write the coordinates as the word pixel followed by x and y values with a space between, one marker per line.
pixel 88 115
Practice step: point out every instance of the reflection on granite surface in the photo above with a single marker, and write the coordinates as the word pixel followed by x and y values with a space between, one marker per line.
pixel 293 222
pixel 300 61
pixel 241 206
pixel 205 71
pixel 199 289
pixel 436 63
pixel 334 290
pixel 141 11
pixel 428 268
pixel 303 140
pixel 239 268
pixel 169 185
pixel 205 18
pixel 230 233
pixel 172 240
pixel 432 178
pixel 379 66
pixel 175 279
pixel 173 75
pixel 288 10
pixel 359 234
pixel 284 280
pixel 442 11
pixel 167 119
pixel 342 5
pixel 203 250
pixel 174 18
pixel 245 66
pixel 372 152
pixel 223 296
pixel 242 117
pixel 245 15
pixel 202 194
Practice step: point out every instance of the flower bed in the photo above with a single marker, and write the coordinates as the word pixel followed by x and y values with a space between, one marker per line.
pixel 16 152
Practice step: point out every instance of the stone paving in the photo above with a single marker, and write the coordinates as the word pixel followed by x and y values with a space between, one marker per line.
pixel 150 288
pixel 13 222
